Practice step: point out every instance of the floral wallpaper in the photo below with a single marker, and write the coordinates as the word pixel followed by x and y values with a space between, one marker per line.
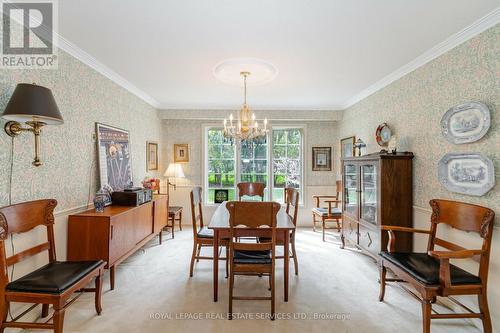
pixel 69 171
pixel 413 107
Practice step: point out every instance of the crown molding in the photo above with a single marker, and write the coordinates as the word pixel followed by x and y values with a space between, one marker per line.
pixel 254 107
pixel 272 115
pixel 451 42
pixel 87 59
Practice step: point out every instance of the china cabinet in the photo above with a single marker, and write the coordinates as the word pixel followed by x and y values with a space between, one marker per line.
pixel 378 190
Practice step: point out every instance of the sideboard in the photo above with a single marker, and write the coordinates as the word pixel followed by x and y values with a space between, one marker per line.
pixel 116 233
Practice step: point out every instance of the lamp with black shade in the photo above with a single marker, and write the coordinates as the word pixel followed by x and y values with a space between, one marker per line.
pixel 36 107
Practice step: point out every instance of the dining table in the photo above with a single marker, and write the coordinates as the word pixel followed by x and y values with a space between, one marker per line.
pixel 219 223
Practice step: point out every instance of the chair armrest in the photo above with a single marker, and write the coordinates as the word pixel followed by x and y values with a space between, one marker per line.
pixel 392 236
pixel 462 254
pixel 404 229
pixel 444 262
pixel 324 196
pixel 333 201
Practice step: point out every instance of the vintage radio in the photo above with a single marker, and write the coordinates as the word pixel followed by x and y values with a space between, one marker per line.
pixel 132 196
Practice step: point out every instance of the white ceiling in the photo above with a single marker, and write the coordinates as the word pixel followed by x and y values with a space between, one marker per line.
pixel 328 52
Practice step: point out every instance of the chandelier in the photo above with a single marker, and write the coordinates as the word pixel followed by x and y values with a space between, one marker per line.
pixel 246 128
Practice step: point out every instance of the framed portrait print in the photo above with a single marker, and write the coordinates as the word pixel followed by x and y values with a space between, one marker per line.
pixel 151 155
pixel 347 147
pixel 322 158
pixel 113 151
pixel 181 153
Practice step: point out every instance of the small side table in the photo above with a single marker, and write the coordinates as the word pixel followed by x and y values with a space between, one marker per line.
pixel 174 214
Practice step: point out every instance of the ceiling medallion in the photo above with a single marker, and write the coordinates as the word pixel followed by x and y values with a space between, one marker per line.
pixel 228 71
pixel 247 128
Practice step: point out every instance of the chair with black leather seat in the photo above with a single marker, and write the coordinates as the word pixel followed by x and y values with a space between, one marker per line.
pixel 252 258
pixel 431 273
pixel 330 213
pixel 52 284
pixel 202 236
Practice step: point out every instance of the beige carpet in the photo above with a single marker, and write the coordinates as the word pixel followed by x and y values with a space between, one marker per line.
pixel 155 294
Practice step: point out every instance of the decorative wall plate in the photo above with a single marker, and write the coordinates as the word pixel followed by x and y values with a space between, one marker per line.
pixel 466 173
pixel 466 122
pixel 383 134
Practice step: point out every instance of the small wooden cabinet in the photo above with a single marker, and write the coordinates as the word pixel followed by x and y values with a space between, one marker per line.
pixel 116 233
pixel 378 190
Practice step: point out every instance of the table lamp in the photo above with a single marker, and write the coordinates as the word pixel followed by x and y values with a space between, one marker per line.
pixel 174 170
pixel 35 106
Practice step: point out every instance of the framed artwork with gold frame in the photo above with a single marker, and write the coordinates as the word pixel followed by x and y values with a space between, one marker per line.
pixel 151 155
pixel 347 148
pixel 181 153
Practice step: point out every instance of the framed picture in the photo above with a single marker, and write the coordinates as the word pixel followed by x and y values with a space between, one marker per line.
pixel 322 158
pixel 181 153
pixel 151 155
pixel 347 147
pixel 113 152
pixel 220 196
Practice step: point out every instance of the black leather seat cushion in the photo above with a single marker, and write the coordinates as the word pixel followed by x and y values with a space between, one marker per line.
pixel 53 278
pixel 252 257
pixel 206 233
pixel 425 268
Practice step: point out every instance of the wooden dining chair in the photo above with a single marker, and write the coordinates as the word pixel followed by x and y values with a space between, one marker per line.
pixel 252 258
pixel 202 236
pixel 330 213
pixel 292 202
pixel 52 284
pixel 251 190
pixel 431 273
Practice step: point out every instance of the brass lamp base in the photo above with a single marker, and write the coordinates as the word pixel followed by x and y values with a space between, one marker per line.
pixel 13 129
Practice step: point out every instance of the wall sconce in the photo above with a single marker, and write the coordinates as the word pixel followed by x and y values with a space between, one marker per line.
pixel 35 106
pixel 359 144
pixel 174 170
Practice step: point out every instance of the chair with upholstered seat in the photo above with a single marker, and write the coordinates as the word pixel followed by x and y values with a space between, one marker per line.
pixel 431 273
pixel 330 213
pixel 202 236
pixel 251 190
pixel 252 258
pixel 54 283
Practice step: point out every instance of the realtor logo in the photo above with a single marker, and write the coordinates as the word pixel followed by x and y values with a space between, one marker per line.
pixel 29 30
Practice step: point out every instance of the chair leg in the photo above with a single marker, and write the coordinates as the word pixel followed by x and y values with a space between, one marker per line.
pixel 45 310
pixel 58 320
pixel 180 221
pixel 98 292
pixel 323 229
pixel 383 273
pixel 483 307
pixel 426 316
pixel 342 240
pixel 231 286
pixel 198 254
pixel 227 261
pixel 338 225
pixel 273 295
pixel 314 223
pixel 295 260
pixel 4 308
pixel 192 260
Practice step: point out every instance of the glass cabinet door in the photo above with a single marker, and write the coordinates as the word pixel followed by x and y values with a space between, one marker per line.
pixel 369 193
pixel 351 189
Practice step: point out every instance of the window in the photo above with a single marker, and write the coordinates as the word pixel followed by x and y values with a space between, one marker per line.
pixel 226 165
pixel 287 157
pixel 221 164
pixel 253 167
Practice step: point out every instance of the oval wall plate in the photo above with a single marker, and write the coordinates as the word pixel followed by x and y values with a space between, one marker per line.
pixel 383 134
pixel 466 173
pixel 466 122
